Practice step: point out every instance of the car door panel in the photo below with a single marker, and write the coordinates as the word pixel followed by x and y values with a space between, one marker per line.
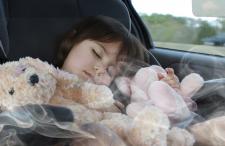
pixel 210 67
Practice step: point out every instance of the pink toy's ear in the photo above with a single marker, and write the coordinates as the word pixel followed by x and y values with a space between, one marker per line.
pixel 144 77
pixel 163 96
pixel 191 84
pixel 168 100
pixel 123 84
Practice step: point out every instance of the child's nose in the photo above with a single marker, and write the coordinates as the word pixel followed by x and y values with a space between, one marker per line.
pixel 99 70
pixel 101 76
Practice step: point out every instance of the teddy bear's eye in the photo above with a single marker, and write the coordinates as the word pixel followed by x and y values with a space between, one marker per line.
pixel 24 69
pixel 11 91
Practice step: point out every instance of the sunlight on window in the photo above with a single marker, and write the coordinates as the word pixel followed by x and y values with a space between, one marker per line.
pixel 208 8
pixel 173 25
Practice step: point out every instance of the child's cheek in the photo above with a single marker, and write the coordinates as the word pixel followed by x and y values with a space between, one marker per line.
pixel 85 64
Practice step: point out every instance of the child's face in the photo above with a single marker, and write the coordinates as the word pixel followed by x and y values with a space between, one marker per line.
pixel 93 61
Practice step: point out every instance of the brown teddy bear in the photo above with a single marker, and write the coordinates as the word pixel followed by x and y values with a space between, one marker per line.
pixel 34 81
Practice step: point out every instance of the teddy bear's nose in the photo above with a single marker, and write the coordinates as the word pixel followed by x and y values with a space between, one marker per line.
pixel 34 79
pixel 11 91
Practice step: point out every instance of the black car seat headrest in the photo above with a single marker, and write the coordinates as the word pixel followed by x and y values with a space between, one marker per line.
pixel 35 25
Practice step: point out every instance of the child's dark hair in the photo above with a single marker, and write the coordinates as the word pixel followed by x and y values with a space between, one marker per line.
pixel 102 29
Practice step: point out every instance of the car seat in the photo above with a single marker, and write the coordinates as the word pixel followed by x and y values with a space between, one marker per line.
pixel 32 27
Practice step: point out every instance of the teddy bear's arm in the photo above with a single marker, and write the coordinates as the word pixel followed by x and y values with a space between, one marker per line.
pixel 179 137
pixel 98 97
pixel 73 88
pixel 82 114
pixel 118 123
pixel 210 132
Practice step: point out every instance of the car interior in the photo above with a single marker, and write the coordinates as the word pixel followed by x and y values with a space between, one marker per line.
pixel 31 28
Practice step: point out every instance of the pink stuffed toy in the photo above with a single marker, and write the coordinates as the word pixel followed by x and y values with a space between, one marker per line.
pixel 149 87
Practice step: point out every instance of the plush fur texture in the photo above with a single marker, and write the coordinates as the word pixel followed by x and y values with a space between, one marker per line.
pixel 32 81
pixel 145 88
pixel 210 132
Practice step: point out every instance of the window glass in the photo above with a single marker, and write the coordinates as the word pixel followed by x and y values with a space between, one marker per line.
pixel 173 25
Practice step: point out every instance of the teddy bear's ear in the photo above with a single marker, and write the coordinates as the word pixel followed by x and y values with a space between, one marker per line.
pixel 64 79
pixel 38 64
pixel 60 75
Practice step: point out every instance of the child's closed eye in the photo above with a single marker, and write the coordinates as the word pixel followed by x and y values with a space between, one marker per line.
pixel 96 54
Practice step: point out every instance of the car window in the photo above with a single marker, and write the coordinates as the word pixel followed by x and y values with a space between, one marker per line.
pixel 173 25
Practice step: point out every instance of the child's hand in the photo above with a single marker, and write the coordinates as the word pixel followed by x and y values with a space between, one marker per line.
pixel 171 79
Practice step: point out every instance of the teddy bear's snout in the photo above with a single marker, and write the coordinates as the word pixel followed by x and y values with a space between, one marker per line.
pixel 34 79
